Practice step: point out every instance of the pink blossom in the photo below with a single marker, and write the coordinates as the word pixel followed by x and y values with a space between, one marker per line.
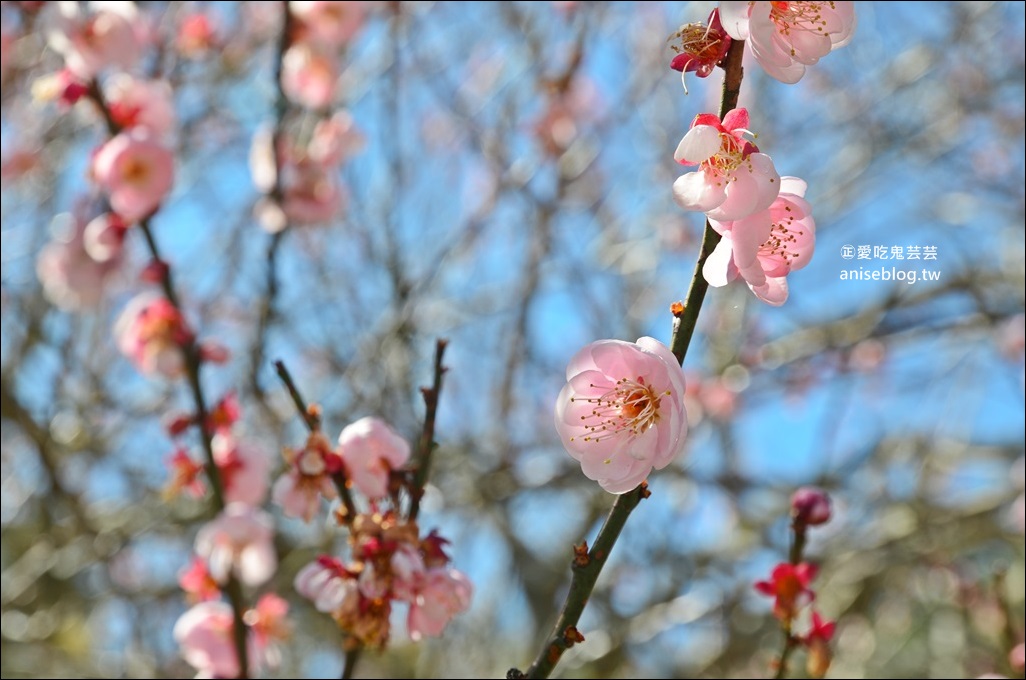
pixel 136 172
pixel 204 634
pixel 442 594
pixel 269 625
pixel 818 641
pixel 311 193
pixel 225 413
pixel 701 47
pixel 328 23
pixel 244 468
pixel 198 583
pixel 185 476
pixel 71 278
pixel 785 37
pixel 810 506
pixel 196 35
pixel 765 247
pixel 621 413
pixel 370 450
pixel 145 104
pixel 789 586
pixel 151 332
pixel 105 34
pixel 308 76
pixel 335 140
pixel 309 477
pixel 239 541
pixel 104 237
pixel 329 585
pixel 733 179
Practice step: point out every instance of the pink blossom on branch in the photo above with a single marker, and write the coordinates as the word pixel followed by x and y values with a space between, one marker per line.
pixel 151 332
pixel 331 24
pixel 733 179
pixel 765 247
pixel 818 641
pixel 197 582
pixel 96 35
pixel 244 469
pixel 442 593
pixel 370 450
pixel 789 586
pixel 239 541
pixel 145 104
pixel 702 47
pixel 785 37
pixel 621 413
pixel 71 277
pixel 309 478
pixel 136 172
pixel 330 586
pixel 308 76
pixel 204 634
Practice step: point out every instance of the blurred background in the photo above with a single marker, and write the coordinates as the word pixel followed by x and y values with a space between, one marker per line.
pixel 512 193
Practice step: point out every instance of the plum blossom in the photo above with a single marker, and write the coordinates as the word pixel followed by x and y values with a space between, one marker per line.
pixel 621 413
pixel 308 76
pixel 136 172
pixel 442 593
pixel 244 468
pixel 185 476
pixel 104 237
pixel 789 586
pixel 370 450
pixel 204 634
pixel 785 37
pixel 144 104
pixel 702 47
pixel 810 506
pixel 269 625
pixel 329 23
pixel 329 585
pixel 151 332
pixel 105 34
pixel 733 179
pixel 198 583
pixel 71 277
pixel 765 247
pixel 196 35
pixel 309 477
pixel 239 541
pixel 818 641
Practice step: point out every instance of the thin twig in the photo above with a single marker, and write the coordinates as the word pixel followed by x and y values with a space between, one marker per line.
pixel 427 436
pixel 587 566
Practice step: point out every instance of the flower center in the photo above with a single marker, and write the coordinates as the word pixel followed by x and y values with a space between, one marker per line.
pixel 799 16
pixel 136 172
pixel 783 240
pixel 699 41
pixel 629 408
pixel 732 154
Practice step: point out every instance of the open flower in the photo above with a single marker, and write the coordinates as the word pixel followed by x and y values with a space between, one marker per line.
pixel 329 23
pixel 370 450
pixel 300 489
pixel 239 541
pixel 789 586
pixel 198 583
pixel 204 634
pixel 244 468
pixel 329 585
pixel 136 103
pixel 71 277
pixel 104 34
pixel 136 172
pixel 701 47
pixel 308 76
pixel 818 641
pixel 785 37
pixel 442 593
pixel 151 332
pixel 733 179
pixel 621 413
pixel 765 247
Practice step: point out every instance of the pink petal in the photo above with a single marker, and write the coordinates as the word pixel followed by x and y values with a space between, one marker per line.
pixel 734 17
pixel 773 292
pixel 719 269
pixel 698 144
pixel 736 119
pixel 694 191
